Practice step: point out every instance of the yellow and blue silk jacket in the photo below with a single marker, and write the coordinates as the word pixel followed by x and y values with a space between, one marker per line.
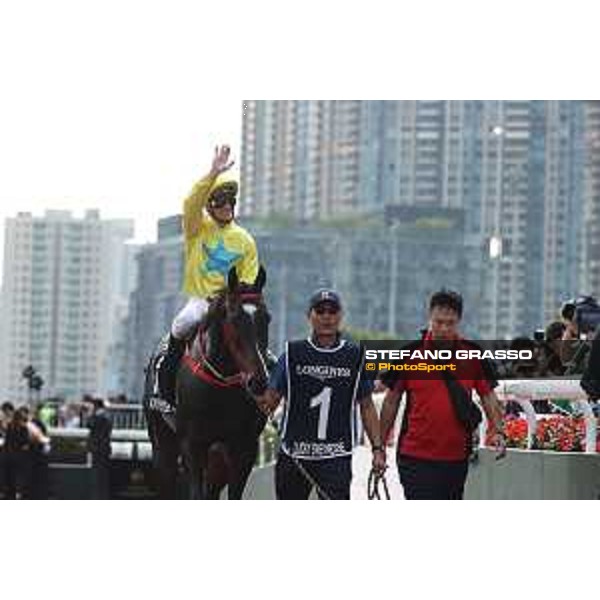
pixel 211 249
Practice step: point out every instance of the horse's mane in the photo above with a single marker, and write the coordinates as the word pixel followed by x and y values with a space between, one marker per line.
pixel 218 299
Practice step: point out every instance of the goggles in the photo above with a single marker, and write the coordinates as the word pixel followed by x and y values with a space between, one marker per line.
pixel 225 194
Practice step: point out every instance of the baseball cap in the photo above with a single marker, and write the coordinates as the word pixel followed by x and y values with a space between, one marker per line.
pixel 324 295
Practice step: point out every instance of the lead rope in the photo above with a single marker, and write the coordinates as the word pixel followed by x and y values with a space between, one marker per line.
pixel 310 479
pixel 299 465
pixel 375 479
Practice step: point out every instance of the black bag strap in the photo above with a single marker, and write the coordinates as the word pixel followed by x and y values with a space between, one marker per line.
pixel 460 398
pixel 465 409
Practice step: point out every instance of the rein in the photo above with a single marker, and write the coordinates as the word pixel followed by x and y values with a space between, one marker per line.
pixel 212 377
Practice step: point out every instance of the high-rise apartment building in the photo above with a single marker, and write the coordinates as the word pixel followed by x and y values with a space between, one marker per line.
pixel 125 280
pixel 591 233
pixel 329 159
pixel 531 212
pixel 300 158
pixel 60 299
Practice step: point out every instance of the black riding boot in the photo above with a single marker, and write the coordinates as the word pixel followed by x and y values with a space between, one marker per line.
pixel 168 368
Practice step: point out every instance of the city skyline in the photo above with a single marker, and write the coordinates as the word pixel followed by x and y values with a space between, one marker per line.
pixel 523 171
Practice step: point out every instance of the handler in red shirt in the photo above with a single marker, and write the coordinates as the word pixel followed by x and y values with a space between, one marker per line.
pixel 433 443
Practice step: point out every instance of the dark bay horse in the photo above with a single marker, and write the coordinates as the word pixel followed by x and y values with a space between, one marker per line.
pixel 217 420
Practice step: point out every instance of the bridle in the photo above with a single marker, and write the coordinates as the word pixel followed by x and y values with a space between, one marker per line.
pixel 206 370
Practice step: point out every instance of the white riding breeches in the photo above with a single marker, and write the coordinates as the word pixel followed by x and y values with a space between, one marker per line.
pixel 189 317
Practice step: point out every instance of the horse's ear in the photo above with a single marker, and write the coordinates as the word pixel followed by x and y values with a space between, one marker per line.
pixel 261 279
pixel 232 281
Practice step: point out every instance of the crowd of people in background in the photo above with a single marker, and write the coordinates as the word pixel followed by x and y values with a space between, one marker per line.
pixel 25 444
pixel 24 449
pixel 70 415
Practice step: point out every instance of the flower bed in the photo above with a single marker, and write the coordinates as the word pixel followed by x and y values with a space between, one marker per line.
pixel 560 433
pixel 556 432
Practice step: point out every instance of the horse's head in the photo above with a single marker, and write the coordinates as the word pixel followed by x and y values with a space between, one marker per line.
pixel 238 323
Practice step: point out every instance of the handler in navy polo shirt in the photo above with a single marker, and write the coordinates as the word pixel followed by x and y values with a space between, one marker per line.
pixel 433 443
pixel 321 380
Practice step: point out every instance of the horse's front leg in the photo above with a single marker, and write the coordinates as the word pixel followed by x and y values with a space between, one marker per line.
pixel 166 463
pixel 195 463
pixel 218 470
pixel 244 459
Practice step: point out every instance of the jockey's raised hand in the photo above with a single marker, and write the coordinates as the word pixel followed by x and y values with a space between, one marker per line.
pixel 221 162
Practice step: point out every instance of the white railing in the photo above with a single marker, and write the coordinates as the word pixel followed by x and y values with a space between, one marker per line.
pixel 126 444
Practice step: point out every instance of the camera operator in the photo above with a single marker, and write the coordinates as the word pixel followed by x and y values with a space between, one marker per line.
pixel 525 369
pixel 590 382
pixel 581 318
pixel 551 345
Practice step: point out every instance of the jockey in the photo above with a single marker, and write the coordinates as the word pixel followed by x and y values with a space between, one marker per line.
pixel 213 243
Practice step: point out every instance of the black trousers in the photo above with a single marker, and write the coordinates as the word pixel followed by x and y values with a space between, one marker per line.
pixel 432 479
pixel 17 467
pixel 40 484
pixel 100 478
pixel 332 475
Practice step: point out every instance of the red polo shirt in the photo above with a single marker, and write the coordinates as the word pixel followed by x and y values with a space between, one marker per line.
pixel 431 429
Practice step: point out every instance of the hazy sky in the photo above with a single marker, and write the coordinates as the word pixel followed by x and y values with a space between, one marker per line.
pixel 108 106
pixel 117 105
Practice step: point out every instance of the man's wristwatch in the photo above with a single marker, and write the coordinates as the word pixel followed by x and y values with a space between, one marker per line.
pixel 377 449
